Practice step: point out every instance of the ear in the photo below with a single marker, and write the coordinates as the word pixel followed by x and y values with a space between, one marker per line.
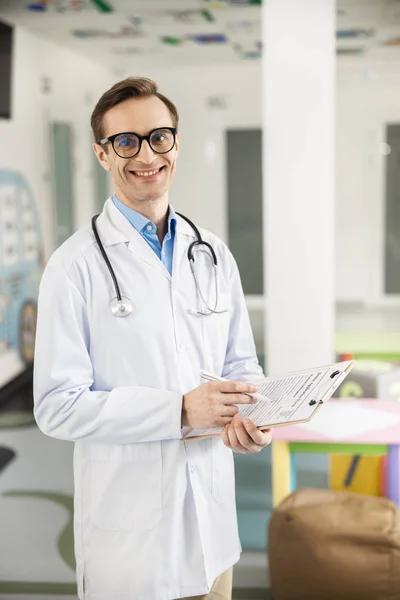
pixel 102 156
pixel 177 141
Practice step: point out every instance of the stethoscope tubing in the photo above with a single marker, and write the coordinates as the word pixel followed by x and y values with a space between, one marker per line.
pixel 104 253
pixel 122 306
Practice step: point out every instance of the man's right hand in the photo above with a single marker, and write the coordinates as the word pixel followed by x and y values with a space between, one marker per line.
pixel 213 404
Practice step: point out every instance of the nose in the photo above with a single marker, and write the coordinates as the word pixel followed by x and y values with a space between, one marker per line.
pixel 146 154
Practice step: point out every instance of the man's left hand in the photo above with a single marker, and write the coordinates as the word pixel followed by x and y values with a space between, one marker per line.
pixel 242 436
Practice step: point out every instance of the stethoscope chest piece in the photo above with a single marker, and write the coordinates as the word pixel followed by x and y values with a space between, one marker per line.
pixel 121 308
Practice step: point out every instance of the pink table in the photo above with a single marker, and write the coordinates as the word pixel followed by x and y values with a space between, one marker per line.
pixel 345 426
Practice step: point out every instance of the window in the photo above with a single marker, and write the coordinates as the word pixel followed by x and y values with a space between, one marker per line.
pixel 244 186
pixel 392 224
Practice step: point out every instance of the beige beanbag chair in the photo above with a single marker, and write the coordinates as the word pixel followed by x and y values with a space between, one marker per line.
pixel 327 545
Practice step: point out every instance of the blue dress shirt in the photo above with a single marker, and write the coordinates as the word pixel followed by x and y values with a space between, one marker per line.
pixel 148 231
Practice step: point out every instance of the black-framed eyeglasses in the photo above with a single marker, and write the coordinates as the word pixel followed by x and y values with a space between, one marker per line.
pixel 128 144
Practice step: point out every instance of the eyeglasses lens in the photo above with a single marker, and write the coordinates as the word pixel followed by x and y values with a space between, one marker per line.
pixel 127 145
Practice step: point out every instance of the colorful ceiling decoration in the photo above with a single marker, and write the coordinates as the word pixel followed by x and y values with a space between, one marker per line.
pixel 392 43
pixel 351 34
pixel 62 6
pixel 191 32
pixel 118 34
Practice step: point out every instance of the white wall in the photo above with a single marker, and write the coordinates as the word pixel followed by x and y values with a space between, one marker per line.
pixel 368 100
pixel 200 187
pixel 364 103
pixel 76 84
pixel 368 97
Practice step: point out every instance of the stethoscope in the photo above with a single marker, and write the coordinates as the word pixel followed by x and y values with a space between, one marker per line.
pixel 121 306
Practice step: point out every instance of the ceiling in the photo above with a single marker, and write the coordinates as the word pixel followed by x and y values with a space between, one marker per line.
pixel 120 33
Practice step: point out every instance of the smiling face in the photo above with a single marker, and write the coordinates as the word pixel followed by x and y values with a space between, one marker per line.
pixel 147 177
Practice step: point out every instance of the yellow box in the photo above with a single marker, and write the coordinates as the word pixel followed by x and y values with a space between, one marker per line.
pixel 367 477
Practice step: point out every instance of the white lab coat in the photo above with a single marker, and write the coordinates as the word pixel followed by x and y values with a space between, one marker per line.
pixel 155 516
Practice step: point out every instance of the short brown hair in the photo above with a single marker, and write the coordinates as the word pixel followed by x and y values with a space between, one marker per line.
pixel 131 87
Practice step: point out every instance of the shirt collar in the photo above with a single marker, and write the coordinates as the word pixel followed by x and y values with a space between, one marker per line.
pixel 139 222
pixel 114 227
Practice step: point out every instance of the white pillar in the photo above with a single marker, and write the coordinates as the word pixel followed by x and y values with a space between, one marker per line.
pixel 299 73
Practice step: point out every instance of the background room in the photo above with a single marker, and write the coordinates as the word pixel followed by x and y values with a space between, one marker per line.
pixel 211 57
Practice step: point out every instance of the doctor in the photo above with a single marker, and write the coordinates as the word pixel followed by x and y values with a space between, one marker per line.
pixel 130 311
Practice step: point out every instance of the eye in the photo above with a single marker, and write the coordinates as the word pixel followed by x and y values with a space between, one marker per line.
pixel 126 141
pixel 162 140
pixel 158 138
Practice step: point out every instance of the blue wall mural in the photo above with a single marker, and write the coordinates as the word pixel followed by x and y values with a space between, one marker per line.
pixel 21 266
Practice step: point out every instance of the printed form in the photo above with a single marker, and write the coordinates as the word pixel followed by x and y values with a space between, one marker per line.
pixel 288 398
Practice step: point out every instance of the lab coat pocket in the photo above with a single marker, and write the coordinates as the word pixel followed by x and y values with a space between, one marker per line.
pixel 223 473
pixel 126 487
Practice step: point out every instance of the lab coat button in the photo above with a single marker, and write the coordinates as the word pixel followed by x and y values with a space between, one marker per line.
pixel 192 469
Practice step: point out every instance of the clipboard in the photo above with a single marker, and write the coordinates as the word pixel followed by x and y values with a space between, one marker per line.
pixel 287 399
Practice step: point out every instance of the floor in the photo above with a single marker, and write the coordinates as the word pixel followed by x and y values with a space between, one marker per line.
pixel 36 500
pixel 238 594
pixel 36 544
pixel 251 594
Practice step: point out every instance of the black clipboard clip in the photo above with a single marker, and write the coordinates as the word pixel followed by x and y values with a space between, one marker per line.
pixel 313 402
pixel 317 393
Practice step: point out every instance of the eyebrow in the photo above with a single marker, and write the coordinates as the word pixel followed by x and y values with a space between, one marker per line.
pixel 148 132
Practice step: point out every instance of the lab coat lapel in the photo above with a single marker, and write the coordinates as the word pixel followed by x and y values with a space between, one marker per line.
pixel 142 251
pixel 115 228
pixel 184 236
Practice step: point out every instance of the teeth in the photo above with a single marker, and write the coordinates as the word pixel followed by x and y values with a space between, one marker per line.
pixel 146 173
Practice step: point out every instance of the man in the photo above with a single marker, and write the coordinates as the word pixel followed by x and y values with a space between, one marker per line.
pixel 155 515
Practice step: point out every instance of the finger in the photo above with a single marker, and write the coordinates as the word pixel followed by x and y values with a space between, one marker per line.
pixel 245 440
pixel 233 439
pixel 222 421
pixel 262 438
pixel 238 387
pixel 230 398
pixel 229 411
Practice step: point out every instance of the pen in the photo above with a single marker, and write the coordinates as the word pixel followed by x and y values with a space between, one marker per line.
pixel 211 377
